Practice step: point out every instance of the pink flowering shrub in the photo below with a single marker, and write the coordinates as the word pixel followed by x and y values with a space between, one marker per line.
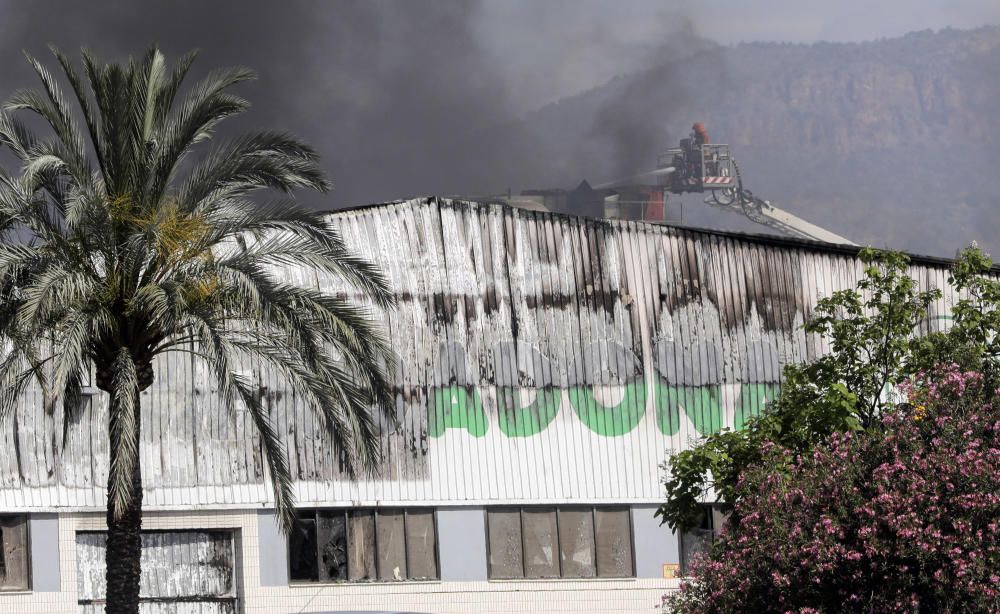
pixel 900 519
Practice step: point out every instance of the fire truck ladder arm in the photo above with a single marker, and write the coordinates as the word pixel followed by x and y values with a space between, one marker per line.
pixel 764 213
pixel 761 211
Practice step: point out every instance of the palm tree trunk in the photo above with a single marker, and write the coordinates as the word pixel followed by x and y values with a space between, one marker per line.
pixel 124 534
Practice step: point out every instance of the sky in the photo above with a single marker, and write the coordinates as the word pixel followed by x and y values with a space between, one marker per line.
pixel 545 49
pixel 591 41
pixel 385 89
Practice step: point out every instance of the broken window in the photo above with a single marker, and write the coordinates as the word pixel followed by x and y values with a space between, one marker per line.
pixel 13 553
pixel 576 543
pixel 566 542
pixel 506 547
pixel 613 530
pixel 303 541
pixel 699 540
pixel 361 546
pixel 539 529
pixel 364 546
pixel 391 546
pixel 421 551
pixel 331 532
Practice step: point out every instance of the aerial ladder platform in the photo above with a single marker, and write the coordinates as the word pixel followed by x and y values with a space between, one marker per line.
pixel 699 166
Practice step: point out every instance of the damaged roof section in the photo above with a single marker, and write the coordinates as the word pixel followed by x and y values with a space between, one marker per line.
pixel 539 356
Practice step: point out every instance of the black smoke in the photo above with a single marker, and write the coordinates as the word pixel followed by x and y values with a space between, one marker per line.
pixel 382 89
pixel 644 115
pixel 400 98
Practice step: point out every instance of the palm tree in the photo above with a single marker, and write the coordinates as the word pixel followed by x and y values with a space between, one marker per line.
pixel 116 247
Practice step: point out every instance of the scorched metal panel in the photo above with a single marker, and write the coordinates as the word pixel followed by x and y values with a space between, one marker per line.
pixel 541 357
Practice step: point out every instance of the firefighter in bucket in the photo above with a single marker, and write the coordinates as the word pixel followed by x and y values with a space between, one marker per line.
pixel 692 149
pixel 699 135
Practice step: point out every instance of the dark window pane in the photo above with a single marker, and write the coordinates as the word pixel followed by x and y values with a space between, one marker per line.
pixel 14 552
pixel 3 560
pixel 302 549
pixel 421 545
pixel 391 545
pixel 718 520
pixel 331 536
pixel 614 543
pixel 707 518
pixel 694 543
pixel 504 527
pixel 540 543
pixel 576 542
pixel 698 541
pixel 361 546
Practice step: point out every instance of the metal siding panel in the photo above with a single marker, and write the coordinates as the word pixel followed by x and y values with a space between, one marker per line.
pixel 503 304
pixel 183 564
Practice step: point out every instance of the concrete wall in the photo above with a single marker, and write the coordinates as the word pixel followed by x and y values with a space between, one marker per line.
pixel 655 544
pixel 43 535
pixel 462 543
pixel 272 550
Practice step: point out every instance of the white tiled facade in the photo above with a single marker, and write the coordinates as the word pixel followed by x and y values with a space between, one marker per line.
pixel 444 597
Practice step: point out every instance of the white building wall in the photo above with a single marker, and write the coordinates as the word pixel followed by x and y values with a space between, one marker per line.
pixel 542 358
pixel 441 597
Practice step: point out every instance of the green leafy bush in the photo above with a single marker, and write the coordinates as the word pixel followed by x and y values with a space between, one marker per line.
pixel 902 518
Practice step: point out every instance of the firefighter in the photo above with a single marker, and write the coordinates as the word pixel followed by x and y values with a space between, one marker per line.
pixel 692 145
pixel 700 135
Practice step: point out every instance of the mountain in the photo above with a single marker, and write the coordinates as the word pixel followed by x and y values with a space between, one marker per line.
pixel 892 143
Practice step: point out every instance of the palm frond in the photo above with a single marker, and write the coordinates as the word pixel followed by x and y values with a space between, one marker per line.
pixel 83 99
pixel 206 105
pixel 266 160
pixel 154 83
pixel 55 293
pixel 170 86
pixel 16 373
pixel 14 135
pixel 115 250
pixel 235 386
pixel 275 220
pixel 53 108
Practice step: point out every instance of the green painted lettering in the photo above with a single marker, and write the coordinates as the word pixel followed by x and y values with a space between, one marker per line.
pixel 610 421
pixel 517 421
pixel 751 402
pixel 455 407
pixel 700 404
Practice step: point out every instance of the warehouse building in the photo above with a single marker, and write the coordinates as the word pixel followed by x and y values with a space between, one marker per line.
pixel 548 365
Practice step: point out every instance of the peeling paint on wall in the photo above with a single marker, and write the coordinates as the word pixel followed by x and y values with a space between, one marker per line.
pixel 540 357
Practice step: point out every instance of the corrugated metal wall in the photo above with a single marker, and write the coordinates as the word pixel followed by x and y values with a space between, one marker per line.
pixel 183 572
pixel 541 358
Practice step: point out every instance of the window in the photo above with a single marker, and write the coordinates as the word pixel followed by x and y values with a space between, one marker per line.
pixel 182 571
pixel 564 542
pixel 700 540
pixel 13 553
pixel 384 545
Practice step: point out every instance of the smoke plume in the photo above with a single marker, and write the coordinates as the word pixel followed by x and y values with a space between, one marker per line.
pixel 637 123
pixel 400 98
pixel 379 88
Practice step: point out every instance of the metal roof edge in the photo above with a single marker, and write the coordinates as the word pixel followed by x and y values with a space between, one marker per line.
pixel 764 239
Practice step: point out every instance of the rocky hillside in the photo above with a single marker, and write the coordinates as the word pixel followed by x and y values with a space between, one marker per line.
pixel 891 143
